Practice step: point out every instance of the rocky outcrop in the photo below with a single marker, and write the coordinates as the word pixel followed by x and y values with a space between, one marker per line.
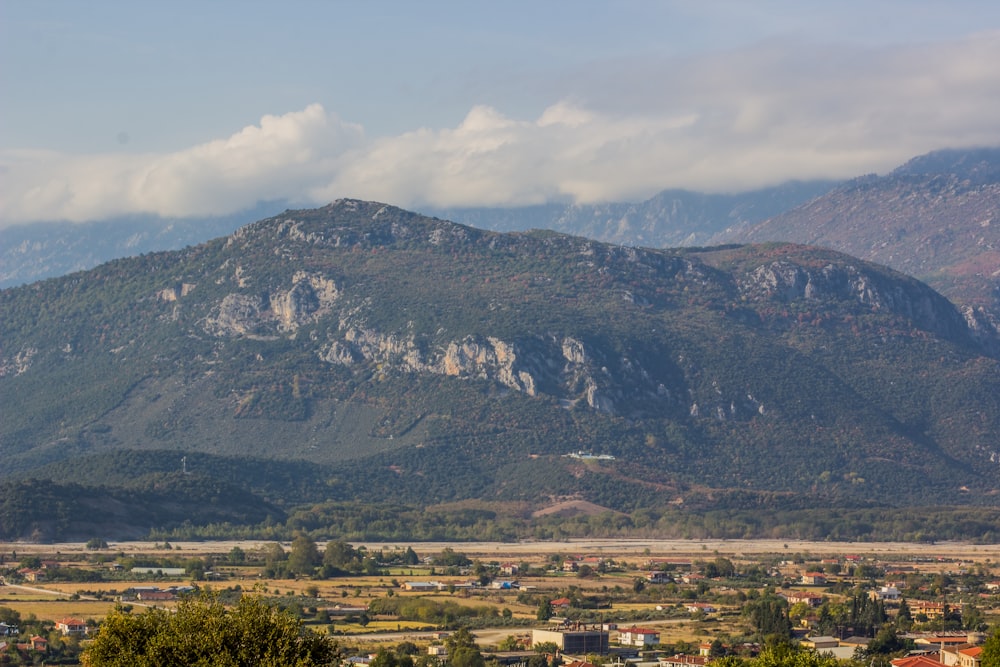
pixel 176 292
pixel 19 363
pixel 789 281
pixel 559 366
pixel 281 311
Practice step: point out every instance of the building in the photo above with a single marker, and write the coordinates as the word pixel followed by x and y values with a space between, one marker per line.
pixel 957 640
pixel 917 661
pixel 820 642
pixel 813 579
pixel 885 593
pixel 809 598
pixel 160 571
pixel 682 660
pixel 640 637
pixel 969 656
pixel 71 626
pixel 931 609
pixel 576 640
pixel 509 569
pixel 156 596
pixel 422 586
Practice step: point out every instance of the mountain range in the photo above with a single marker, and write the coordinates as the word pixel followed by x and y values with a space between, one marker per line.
pixel 359 352
pixel 935 218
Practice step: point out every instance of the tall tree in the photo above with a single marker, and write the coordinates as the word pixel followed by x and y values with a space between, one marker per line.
pixel 463 650
pixel 304 556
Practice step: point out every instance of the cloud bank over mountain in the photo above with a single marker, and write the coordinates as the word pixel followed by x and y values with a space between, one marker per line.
pixel 620 130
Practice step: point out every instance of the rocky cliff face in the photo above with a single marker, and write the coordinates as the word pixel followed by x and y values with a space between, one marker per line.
pixel 936 218
pixel 788 281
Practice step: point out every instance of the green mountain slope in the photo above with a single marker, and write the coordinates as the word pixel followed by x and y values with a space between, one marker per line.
pixel 361 352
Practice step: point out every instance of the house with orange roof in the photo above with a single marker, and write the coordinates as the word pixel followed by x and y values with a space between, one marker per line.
pixel 71 626
pixel 36 643
pixel 969 657
pixel 927 660
pixel 929 608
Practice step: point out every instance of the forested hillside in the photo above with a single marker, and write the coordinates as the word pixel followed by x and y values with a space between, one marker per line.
pixel 359 352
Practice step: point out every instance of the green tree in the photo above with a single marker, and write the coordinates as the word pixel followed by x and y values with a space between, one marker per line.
pixel 341 556
pixel 304 556
pixel 769 616
pixel 509 643
pixel 886 642
pixel 990 657
pixel 904 618
pixel 387 658
pixel 204 632
pixel 463 650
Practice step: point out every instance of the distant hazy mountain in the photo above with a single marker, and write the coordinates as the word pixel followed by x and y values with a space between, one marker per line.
pixel 937 217
pixel 671 219
pixel 414 360
pixel 47 249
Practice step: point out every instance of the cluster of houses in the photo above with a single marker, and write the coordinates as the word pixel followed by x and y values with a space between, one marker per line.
pixel 36 643
pixel 632 647
pixel 634 643
pixel 955 649
pixel 68 627
pixel 437 586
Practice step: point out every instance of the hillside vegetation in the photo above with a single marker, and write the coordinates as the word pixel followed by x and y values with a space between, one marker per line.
pixel 361 353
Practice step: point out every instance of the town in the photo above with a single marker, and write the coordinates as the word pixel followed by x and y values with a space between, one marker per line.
pixel 533 606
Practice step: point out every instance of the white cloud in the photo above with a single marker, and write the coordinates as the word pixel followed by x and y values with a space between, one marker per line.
pixel 282 157
pixel 618 131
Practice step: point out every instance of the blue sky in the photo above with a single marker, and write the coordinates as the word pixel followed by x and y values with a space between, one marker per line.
pixel 191 108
